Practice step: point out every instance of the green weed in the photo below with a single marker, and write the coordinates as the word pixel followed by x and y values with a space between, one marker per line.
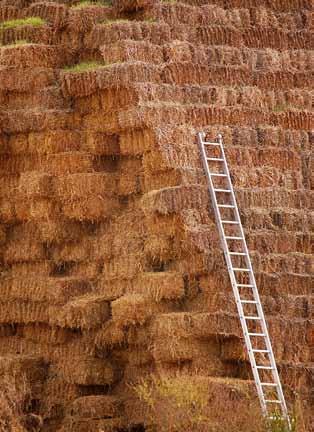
pixel 87 3
pixel 85 66
pixel 30 21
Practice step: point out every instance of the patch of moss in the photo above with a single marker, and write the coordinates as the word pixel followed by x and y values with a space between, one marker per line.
pixel 87 3
pixel 85 66
pixel 30 21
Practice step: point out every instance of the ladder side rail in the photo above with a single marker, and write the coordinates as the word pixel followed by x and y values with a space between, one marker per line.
pixel 256 296
pixel 231 273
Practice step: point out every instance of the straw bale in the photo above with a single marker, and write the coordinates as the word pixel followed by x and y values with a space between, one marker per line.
pixel 174 349
pixel 112 289
pixel 56 291
pixel 136 142
pixel 24 249
pixel 232 349
pixel 35 209
pixel 85 312
pixel 195 325
pixel 189 73
pixel 7 330
pixel 30 55
pixel 73 424
pixel 132 309
pixel 174 199
pixel 57 394
pixel 86 269
pixel 8 12
pixel 43 333
pixel 130 177
pixel 23 312
pixel 31 367
pixel 74 186
pixel 56 14
pixel 86 83
pixel 130 50
pixel 87 371
pixel 156 33
pixel 53 141
pixel 92 208
pixel 25 269
pixel 102 144
pixel 132 5
pixel 123 267
pixel 35 184
pixel 11 79
pixel 36 120
pixel 67 163
pixel 171 177
pixel 84 19
pixel 43 34
pixel 110 335
pixel 95 407
pixel 160 286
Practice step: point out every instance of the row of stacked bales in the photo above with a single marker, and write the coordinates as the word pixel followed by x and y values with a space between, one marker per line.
pixel 111 264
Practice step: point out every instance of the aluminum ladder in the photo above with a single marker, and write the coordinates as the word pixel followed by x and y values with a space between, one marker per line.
pixel 243 282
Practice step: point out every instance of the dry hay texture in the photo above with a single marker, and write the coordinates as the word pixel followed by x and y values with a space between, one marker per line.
pixel 110 265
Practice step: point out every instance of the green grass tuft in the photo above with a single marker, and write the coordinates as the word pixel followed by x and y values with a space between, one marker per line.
pixel 85 66
pixel 87 3
pixel 30 21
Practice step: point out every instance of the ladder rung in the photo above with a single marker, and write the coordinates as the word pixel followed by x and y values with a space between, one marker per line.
pixel 240 269
pixel 233 238
pixel 237 253
pixel 217 175
pixel 272 401
pixel 225 205
pixel 230 222
pixel 249 302
pixel 265 367
pixel 269 384
pixel 260 350
pixel 211 143
pixel 252 318
pixel 245 285
pixel 214 159
pixel 223 190
pixel 256 334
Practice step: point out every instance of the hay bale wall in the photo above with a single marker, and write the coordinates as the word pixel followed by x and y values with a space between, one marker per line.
pixel 110 262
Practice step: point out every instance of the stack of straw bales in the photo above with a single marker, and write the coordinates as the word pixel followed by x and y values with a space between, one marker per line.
pixel 111 269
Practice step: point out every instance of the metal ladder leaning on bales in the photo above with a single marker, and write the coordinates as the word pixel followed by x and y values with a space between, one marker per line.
pixel 242 278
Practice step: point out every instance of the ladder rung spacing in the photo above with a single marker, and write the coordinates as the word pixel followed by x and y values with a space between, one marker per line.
pixel 256 334
pixel 249 282
pixel 211 143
